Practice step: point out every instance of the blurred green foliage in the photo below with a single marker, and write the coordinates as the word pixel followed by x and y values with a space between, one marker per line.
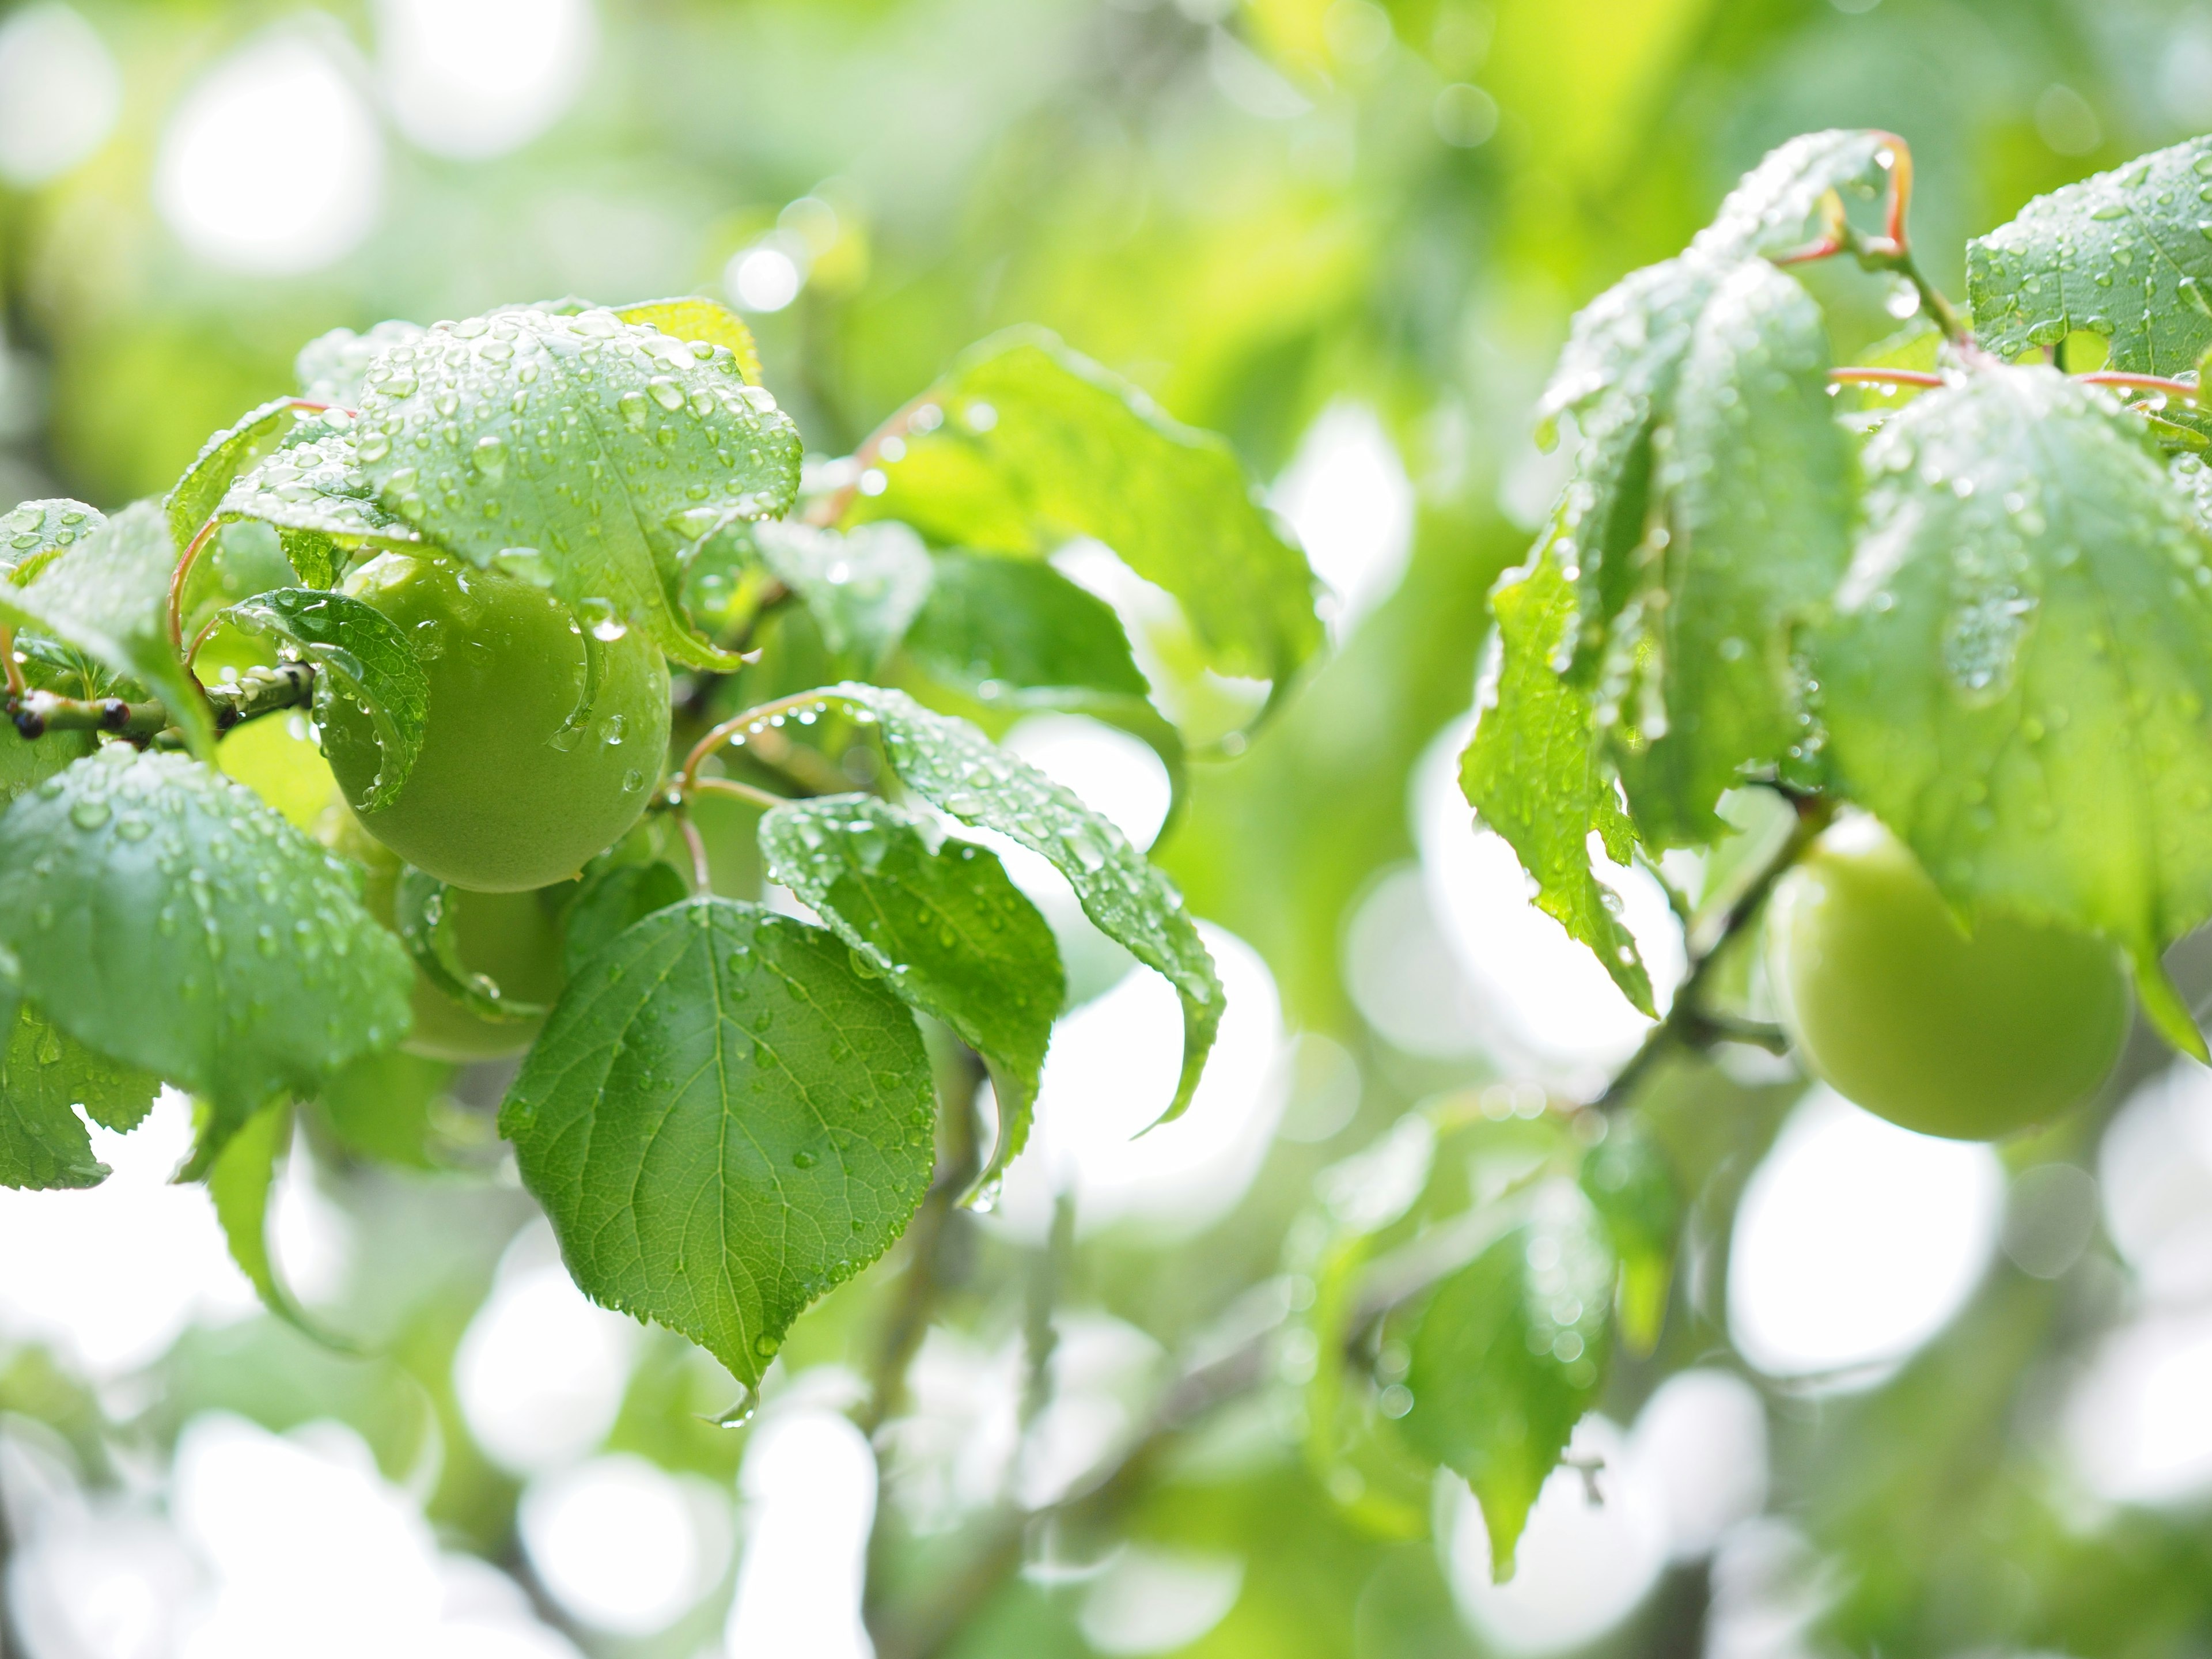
pixel 1253 210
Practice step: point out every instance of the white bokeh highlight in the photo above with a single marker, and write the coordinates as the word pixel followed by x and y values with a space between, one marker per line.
pixel 766 277
pixel 1700 1443
pixel 2135 1427
pixel 2154 1171
pixel 809 1484
pixel 1111 1072
pixel 60 93
pixel 1151 1600
pixel 1113 774
pixel 1856 1241
pixel 473 79
pixel 1346 494
pixel 110 1278
pixel 273 163
pixel 541 1372
pixel 623 1546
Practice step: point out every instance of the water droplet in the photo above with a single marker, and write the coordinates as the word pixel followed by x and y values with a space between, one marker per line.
pixel 666 392
pixel 803 1160
pixel 766 1346
pixel 90 813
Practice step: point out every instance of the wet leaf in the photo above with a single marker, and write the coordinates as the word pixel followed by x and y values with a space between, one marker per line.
pixel 955 768
pixel 358 653
pixel 166 917
pixel 2123 254
pixel 1628 1182
pixel 863 586
pixel 240 1182
pixel 939 920
pixel 585 451
pixel 609 901
pixel 312 489
pixel 329 367
pixel 199 492
pixel 693 319
pixel 107 595
pixel 2018 678
pixel 723 1121
pixel 428 920
pixel 45 1076
pixel 1536 774
pixel 1020 629
pixel 34 531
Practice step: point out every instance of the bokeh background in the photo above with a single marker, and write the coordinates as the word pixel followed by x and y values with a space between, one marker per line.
pixel 1914 1398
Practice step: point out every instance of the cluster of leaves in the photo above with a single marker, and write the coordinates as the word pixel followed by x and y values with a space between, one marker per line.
pixel 1981 610
pixel 728 1110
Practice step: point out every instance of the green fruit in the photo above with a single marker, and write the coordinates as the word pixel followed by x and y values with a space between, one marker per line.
pixel 1895 1007
pixel 512 938
pixel 509 793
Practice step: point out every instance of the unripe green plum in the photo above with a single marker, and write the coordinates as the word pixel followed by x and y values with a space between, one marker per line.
pixel 512 939
pixel 508 794
pixel 1969 1037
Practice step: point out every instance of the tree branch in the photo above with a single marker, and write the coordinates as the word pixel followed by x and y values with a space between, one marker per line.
pixel 257 692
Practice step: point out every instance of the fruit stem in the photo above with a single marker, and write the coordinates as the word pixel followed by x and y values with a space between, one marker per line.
pixel 739 727
pixel 1885 377
pixel 1687 1025
pixel 702 877
pixel 731 787
pixel 2179 389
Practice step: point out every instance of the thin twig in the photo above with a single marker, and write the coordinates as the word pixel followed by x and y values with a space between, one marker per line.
pixel 1885 377
pixel 736 791
pixel 2177 389
pixel 833 507
pixel 703 875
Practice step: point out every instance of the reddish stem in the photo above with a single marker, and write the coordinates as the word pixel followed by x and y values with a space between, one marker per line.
pixel 831 507
pixel 16 683
pixel 183 571
pixel 702 878
pixel 2180 389
pixel 1885 377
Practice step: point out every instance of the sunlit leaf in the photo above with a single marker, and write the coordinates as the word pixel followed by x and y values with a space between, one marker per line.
pixel 1628 1182
pixel 863 587
pixel 693 319
pixel 1018 628
pixel 34 532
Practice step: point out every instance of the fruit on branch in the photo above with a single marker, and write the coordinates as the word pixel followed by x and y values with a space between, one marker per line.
pixel 518 781
pixel 1893 1006
pixel 513 940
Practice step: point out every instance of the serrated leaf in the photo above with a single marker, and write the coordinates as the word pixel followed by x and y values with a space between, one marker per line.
pixel 315 557
pixel 164 917
pixel 1020 627
pixel 693 319
pixel 863 586
pixel 588 451
pixel 428 920
pixel 1507 1357
pixel 108 596
pixel 609 901
pixel 1535 774
pixel 722 1121
pixel 955 768
pixel 358 652
pixel 2123 254
pixel 44 1075
pixel 1034 443
pixel 199 492
pixel 329 367
pixel 1619 371
pixel 34 532
pixel 2018 677
pixel 1628 1183
pixel 240 1182
pixel 952 935
pixel 1753 478
pixel 312 489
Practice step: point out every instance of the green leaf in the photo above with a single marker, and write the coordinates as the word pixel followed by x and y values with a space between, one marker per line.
pixel 199 494
pixel 1754 480
pixel 428 925
pixel 723 1120
pixel 2123 254
pixel 1019 628
pixel 955 768
pixel 2018 680
pixel 1534 771
pixel 864 587
pixel 609 901
pixel 26 760
pixel 35 530
pixel 45 1074
pixel 940 919
pixel 240 1182
pixel 108 596
pixel 690 319
pixel 1507 1357
pixel 1620 371
pixel 358 652
pixel 167 918
pixel 312 489
pixel 328 368
pixel 1027 444
pixel 1628 1182
pixel 384 1106
pixel 589 451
